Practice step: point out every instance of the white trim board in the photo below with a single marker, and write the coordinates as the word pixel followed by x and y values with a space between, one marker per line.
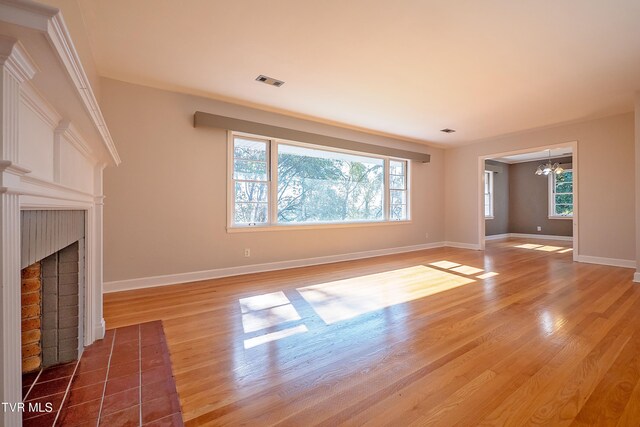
pixel 195 276
pixel 480 189
pixel 459 245
pixel 614 262
pixel 498 236
pixel 530 236
pixel 172 279
pixel 636 277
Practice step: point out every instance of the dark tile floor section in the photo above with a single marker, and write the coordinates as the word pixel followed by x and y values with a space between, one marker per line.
pixel 123 380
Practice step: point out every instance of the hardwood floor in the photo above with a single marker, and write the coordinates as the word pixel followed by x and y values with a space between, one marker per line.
pixel 516 335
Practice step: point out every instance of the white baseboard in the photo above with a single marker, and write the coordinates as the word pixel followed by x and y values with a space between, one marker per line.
pixel 497 236
pixel 101 329
pixel 172 279
pixel 614 262
pixel 473 246
pixel 627 263
pixel 541 236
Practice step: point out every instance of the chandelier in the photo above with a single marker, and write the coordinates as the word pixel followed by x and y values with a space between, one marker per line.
pixel 548 168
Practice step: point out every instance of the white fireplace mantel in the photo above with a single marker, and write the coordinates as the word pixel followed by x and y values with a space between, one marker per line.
pixel 54 146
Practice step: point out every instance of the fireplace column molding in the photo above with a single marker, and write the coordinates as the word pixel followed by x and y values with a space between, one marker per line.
pixel 94 250
pixel 16 68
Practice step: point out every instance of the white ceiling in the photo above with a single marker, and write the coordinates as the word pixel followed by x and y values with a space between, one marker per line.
pixel 407 68
pixel 536 155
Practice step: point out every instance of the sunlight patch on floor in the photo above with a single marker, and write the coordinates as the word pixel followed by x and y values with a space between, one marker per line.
pixel 528 246
pixel 274 336
pixel 544 248
pixel 549 248
pixel 268 317
pixel 445 264
pixel 487 275
pixel 468 270
pixel 260 302
pixel 262 312
pixel 349 298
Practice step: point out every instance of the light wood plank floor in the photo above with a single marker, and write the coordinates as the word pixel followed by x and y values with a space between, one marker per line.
pixel 516 335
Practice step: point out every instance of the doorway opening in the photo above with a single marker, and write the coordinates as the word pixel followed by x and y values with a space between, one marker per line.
pixel 520 196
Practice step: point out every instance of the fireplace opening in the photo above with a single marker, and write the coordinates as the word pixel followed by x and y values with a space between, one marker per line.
pixel 51 309
pixel 52 288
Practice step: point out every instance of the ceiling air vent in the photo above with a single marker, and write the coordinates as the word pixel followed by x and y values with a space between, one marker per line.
pixel 269 80
pixel 447 130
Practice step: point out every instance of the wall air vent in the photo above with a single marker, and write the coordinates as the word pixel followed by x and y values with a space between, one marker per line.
pixel 447 130
pixel 269 80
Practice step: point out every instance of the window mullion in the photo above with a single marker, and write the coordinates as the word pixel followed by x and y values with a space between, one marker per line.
pixel 387 189
pixel 273 187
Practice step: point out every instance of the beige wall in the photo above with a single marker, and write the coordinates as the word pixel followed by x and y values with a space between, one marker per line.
pixel 529 202
pixel 165 207
pixel 606 183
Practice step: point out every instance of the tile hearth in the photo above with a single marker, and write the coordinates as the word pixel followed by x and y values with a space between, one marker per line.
pixel 123 380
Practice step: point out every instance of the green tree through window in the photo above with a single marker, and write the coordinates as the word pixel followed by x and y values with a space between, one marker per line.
pixel 309 185
pixel 322 186
pixel 562 199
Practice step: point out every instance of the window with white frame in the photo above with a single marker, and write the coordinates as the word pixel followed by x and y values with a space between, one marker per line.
pixel 284 183
pixel 561 194
pixel 488 194
pixel 250 181
pixel 398 189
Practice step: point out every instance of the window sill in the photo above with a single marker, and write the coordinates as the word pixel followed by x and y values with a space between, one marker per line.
pixel 258 228
pixel 489 217
pixel 560 217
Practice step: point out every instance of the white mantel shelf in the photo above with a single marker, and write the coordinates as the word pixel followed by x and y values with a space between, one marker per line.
pixel 54 146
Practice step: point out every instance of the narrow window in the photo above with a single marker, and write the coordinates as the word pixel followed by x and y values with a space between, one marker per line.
pixel 250 181
pixel 398 190
pixel 488 194
pixel 561 203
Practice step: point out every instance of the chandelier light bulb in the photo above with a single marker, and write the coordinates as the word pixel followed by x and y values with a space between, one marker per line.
pixel 548 168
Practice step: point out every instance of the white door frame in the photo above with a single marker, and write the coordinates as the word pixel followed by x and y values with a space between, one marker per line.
pixel 576 183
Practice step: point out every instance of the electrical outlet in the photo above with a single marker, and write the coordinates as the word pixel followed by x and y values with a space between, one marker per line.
pixel 539 228
pixel 247 253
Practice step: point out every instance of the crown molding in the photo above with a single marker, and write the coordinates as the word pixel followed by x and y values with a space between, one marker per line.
pixel 27 13
pixel 71 135
pixel 49 21
pixel 61 40
pixel 8 166
pixel 14 57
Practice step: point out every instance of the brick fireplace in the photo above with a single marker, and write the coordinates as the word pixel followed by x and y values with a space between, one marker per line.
pixel 52 288
pixel 31 309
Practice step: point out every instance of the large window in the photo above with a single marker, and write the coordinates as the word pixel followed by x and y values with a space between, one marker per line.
pixel 561 195
pixel 488 195
pixel 286 183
